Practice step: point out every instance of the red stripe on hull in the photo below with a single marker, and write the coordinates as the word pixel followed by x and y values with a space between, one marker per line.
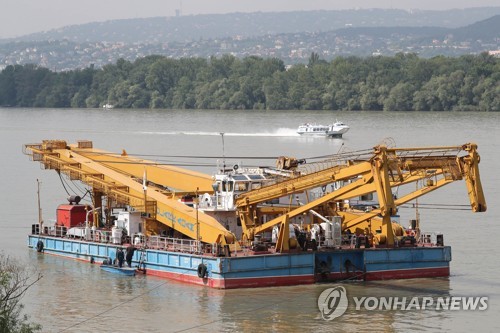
pixel 408 273
pixel 387 275
pixel 84 258
pixel 274 281
pixel 192 279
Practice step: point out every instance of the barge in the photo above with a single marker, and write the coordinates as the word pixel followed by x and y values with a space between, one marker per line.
pixel 297 223
pixel 264 270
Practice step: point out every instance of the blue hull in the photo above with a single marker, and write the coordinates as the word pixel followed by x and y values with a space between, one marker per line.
pixel 266 269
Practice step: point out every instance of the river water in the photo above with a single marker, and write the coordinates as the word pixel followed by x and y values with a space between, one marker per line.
pixel 78 297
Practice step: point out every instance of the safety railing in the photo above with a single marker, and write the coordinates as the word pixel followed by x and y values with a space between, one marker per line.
pixel 173 244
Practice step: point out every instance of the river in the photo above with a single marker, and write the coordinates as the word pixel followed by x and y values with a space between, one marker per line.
pixel 78 297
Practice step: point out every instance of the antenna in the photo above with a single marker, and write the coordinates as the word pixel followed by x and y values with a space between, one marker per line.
pixel 178 12
pixel 223 152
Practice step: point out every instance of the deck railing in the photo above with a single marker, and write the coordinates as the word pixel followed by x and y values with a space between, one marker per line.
pixel 173 244
pixel 143 242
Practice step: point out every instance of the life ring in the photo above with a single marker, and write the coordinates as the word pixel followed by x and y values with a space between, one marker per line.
pixel 39 246
pixel 202 271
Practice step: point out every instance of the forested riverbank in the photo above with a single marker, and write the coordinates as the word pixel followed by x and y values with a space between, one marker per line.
pixel 404 82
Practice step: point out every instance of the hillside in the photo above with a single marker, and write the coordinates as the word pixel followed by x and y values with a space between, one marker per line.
pixel 291 47
pixel 245 25
pixel 488 29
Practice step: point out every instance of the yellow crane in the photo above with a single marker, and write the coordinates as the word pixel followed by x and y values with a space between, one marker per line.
pixel 155 189
pixel 378 172
pixel 122 179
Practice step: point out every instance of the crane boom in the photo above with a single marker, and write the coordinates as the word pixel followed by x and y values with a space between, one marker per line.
pixel 120 181
pixel 380 172
pixel 158 173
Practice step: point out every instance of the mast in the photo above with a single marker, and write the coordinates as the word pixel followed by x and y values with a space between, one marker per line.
pixel 223 153
pixel 40 221
pixel 197 203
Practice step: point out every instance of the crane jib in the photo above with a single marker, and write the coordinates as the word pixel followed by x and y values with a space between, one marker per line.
pixel 180 221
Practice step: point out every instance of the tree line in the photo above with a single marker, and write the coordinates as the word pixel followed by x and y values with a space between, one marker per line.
pixel 404 82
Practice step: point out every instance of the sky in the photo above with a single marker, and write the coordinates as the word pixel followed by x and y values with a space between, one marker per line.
pixel 21 17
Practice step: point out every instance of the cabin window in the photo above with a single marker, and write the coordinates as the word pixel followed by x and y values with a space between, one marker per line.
pixel 253 177
pixel 241 186
pixel 227 186
pixel 256 186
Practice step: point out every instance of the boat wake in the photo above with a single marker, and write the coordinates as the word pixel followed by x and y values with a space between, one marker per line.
pixel 281 132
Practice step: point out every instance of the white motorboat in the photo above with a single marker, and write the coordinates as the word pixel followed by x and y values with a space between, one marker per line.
pixel 334 130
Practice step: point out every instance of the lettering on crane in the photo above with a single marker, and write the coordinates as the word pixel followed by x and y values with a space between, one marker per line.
pixel 180 221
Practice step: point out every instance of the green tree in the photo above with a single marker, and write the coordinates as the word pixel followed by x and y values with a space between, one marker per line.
pixel 488 95
pixel 78 99
pixel 369 97
pixel 239 100
pixel 157 100
pixel 138 97
pixel 466 94
pixel 313 59
pixel 29 80
pixel 184 96
pixel 276 92
pixel 15 280
pixel 8 92
pixel 449 90
pixel 162 75
pixel 427 98
pixel 205 98
pixel 400 98
pixel 328 97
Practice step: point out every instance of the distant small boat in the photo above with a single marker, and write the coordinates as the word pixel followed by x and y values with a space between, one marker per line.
pixel 128 271
pixel 334 130
pixel 108 106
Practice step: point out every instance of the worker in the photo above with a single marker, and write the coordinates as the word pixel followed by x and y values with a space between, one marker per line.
pixel 120 256
pixel 130 253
